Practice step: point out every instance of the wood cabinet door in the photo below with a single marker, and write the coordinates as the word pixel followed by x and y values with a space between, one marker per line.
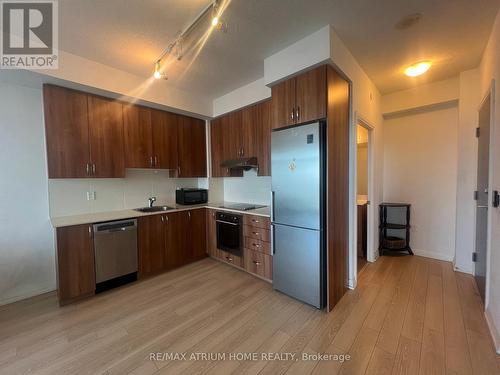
pixel 192 147
pixel 216 150
pixel 164 125
pixel 176 234
pixel 251 122
pixel 138 137
pixel 151 245
pixel 258 137
pixel 310 99
pixel 75 262
pixel 211 233
pixel 66 131
pixel 197 238
pixel 106 137
pixel 232 139
pixel 283 104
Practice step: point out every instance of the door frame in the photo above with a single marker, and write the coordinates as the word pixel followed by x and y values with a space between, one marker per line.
pixel 491 93
pixel 371 255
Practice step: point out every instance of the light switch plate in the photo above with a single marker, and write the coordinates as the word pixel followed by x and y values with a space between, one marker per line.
pixel 91 195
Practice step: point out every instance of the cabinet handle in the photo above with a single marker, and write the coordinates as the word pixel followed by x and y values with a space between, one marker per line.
pixel 93 169
pixel 156 161
pixel 293 115
pixel 178 171
pixel 243 151
pixel 255 245
pixel 162 219
pixel 90 231
pixel 255 221
pixel 256 233
pixel 298 113
pixel 88 169
pixel 151 161
pixel 166 219
pixel 229 259
pixel 189 215
pixel 256 263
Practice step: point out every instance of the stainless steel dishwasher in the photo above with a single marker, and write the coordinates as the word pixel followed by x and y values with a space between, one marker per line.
pixel 115 246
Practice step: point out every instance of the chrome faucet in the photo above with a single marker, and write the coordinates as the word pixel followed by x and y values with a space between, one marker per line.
pixel 151 200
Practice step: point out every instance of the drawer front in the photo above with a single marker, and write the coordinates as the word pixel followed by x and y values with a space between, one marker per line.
pixel 258 245
pixel 256 233
pixel 259 264
pixel 230 258
pixel 257 221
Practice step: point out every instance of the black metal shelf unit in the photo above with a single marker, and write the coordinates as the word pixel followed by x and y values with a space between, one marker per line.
pixel 394 228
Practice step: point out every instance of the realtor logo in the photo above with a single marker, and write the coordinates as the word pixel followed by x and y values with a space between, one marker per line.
pixel 29 34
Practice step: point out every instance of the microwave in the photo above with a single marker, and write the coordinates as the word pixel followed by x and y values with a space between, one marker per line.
pixel 191 196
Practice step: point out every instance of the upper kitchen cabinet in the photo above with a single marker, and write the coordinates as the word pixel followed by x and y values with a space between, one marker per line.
pixel 165 127
pixel 106 137
pixel 192 147
pixel 241 134
pixel 300 99
pixel 67 132
pixel 138 137
pixel 84 134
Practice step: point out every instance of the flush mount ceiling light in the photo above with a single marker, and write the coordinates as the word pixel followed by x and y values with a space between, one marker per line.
pixel 418 69
pixel 214 9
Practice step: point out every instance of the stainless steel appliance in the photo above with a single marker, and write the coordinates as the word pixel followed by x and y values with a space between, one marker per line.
pixel 229 232
pixel 241 206
pixel 115 246
pixel 191 196
pixel 298 212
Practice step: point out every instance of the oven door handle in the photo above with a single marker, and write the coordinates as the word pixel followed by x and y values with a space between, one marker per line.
pixel 226 222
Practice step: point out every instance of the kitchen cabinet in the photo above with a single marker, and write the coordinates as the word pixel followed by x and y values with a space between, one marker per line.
pixel 138 137
pixel 242 134
pixel 67 132
pixel 84 134
pixel 259 264
pixel 164 125
pixel 211 233
pixel 299 99
pixel 196 233
pixel 192 147
pixel 106 137
pixel 151 245
pixel 75 263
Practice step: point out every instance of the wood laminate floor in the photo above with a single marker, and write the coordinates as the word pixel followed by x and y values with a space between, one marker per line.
pixel 409 315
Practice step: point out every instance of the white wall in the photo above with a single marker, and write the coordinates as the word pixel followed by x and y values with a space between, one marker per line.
pixel 420 168
pixel 251 93
pixel 27 262
pixel 467 169
pixel 489 69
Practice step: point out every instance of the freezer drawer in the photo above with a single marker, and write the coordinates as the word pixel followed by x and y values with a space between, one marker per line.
pixel 298 263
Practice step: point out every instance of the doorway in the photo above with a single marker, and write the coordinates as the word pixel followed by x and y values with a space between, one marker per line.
pixel 482 195
pixel 363 138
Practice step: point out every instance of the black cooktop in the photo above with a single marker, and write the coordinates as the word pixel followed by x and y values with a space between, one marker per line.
pixel 241 206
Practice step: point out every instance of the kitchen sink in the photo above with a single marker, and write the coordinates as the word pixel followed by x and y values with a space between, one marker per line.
pixel 154 209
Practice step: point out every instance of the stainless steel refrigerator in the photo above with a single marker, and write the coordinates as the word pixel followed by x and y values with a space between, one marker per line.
pixel 298 212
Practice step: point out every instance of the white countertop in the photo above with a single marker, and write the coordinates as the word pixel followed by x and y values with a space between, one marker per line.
pixel 97 217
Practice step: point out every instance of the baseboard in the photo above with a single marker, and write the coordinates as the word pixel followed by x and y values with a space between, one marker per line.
pixel 493 330
pixel 35 293
pixel 464 269
pixel 433 255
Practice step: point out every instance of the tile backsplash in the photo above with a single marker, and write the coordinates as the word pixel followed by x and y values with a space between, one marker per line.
pixel 248 189
pixel 70 196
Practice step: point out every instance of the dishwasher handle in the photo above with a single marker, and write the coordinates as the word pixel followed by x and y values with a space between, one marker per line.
pixel 116 226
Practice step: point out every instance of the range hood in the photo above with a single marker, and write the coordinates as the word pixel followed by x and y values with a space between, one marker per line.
pixel 244 163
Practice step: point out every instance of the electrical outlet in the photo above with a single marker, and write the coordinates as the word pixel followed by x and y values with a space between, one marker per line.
pixel 91 195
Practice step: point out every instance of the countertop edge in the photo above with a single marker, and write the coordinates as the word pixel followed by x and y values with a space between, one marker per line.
pixel 99 217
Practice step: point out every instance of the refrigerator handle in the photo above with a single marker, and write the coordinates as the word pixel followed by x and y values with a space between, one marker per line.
pixel 272 206
pixel 272 240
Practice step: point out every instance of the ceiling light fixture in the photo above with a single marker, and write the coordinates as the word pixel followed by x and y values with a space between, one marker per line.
pixel 418 69
pixel 215 10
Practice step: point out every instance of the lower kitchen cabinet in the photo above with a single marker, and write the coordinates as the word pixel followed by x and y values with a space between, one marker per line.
pixel 75 263
pixel 171 240
pixel 151 244
pixel 259 264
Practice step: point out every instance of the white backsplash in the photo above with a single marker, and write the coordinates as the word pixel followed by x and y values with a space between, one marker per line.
pixel 69 196
pixel 248 189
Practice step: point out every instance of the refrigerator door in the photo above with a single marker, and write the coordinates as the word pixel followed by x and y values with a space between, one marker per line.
pixel 295 161
pixel 297 263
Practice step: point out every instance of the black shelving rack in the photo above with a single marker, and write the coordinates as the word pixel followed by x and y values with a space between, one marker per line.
pixel 394 235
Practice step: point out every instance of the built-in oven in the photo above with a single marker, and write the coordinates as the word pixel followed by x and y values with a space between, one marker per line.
pixel 229 232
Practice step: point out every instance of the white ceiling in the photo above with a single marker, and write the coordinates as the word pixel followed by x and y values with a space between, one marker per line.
pixel 131 34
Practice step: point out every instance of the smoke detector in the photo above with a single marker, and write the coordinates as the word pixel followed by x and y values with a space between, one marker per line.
pixel 408 21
